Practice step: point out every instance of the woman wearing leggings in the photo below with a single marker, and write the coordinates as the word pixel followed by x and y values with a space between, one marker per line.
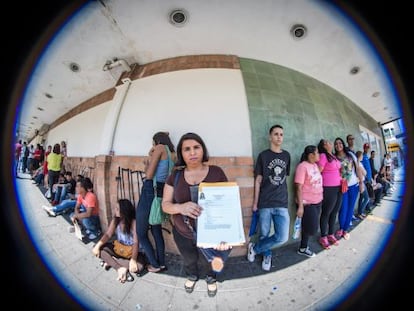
pixel 309 195
pixel 330 168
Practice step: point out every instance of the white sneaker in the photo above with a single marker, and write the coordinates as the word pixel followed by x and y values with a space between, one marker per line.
pixel 251 254
pixel 267 262
pixel 49 210
pixel 92 236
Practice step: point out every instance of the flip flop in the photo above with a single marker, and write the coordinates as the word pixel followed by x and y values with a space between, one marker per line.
pixel 129 277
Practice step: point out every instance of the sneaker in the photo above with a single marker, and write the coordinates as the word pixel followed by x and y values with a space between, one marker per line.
pixel 324 242
pixel 49 210
pixel 267 262
pixel 251 254
pixel 92 236
pixel 306 252
pixel 339 234
pixel 332 240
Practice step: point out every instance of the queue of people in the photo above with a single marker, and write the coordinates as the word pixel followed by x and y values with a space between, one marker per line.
pixel 328 181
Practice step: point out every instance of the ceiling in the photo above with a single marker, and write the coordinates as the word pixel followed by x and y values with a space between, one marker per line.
pixel 141 31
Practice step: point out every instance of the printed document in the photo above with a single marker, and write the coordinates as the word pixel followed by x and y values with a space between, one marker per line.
pixel 221 218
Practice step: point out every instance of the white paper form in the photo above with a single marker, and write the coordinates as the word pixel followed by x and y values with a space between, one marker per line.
pixel 221 219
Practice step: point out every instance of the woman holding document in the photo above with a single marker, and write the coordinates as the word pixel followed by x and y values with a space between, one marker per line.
pixel 180 200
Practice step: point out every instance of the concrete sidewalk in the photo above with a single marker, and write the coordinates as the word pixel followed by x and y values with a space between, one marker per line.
pixel 294 282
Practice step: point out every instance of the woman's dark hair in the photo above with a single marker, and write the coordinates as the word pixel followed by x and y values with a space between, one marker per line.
pixel 347 151
pixel 188 136
pixel 322 149
pixel 127 214
pixel 308 150
pixel 56 148
pixel 164 139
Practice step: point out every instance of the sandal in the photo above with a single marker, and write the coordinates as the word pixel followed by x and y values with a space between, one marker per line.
pixel 189 286
pixel 212 289
pixel 104 265
pixel 129 277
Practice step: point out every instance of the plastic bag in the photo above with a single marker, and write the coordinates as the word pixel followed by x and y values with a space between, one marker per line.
pixel 297 228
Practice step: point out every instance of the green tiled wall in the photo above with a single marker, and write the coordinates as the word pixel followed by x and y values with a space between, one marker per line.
pixel 307 109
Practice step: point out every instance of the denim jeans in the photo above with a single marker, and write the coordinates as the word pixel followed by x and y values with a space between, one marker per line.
pixel 60 193
pixel 65 206
pixel 210 253
pixel 281 220
pixel 142 215
pixel 363 201
pixel 91 223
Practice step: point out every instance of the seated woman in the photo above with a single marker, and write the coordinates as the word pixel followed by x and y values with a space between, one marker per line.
pixel 65 206
pixel 123 225
pixel 86 210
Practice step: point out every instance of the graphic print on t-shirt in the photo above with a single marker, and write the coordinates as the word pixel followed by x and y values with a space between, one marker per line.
pixel 277 167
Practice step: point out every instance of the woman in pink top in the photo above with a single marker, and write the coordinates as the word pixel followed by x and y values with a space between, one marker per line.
pixel 309 195
pixel 330 168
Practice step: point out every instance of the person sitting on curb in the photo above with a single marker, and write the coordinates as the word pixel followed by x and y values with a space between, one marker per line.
pixel 86 210
pixel 64 189
pixel 65 206
pixel 123 226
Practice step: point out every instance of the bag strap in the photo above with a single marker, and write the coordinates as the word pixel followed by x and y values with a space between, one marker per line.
pixel 170 167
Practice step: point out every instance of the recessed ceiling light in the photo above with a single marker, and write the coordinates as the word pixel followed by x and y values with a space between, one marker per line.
pixel 34 117
pixel 178 17
pixel 298 31
pixel 376 94
pixel 40 108
pixel 354 70
pixel 48 95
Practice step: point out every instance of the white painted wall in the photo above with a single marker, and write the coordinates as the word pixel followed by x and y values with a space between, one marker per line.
pixel 209 102
pixel 82 133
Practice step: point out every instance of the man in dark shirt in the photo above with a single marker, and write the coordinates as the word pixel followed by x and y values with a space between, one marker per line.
pixel 271 198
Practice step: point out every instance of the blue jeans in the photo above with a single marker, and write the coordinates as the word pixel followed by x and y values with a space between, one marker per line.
pixel 210 253
pixel 91 223
pixel 60 193
pixel 142 215
pixel 363 201
pixel 64 206
pixel 281 220
pixel 347 209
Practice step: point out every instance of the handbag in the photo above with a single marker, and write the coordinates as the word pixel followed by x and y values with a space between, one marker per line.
pixel 122 249
pixel 157 215
pixel 344 185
